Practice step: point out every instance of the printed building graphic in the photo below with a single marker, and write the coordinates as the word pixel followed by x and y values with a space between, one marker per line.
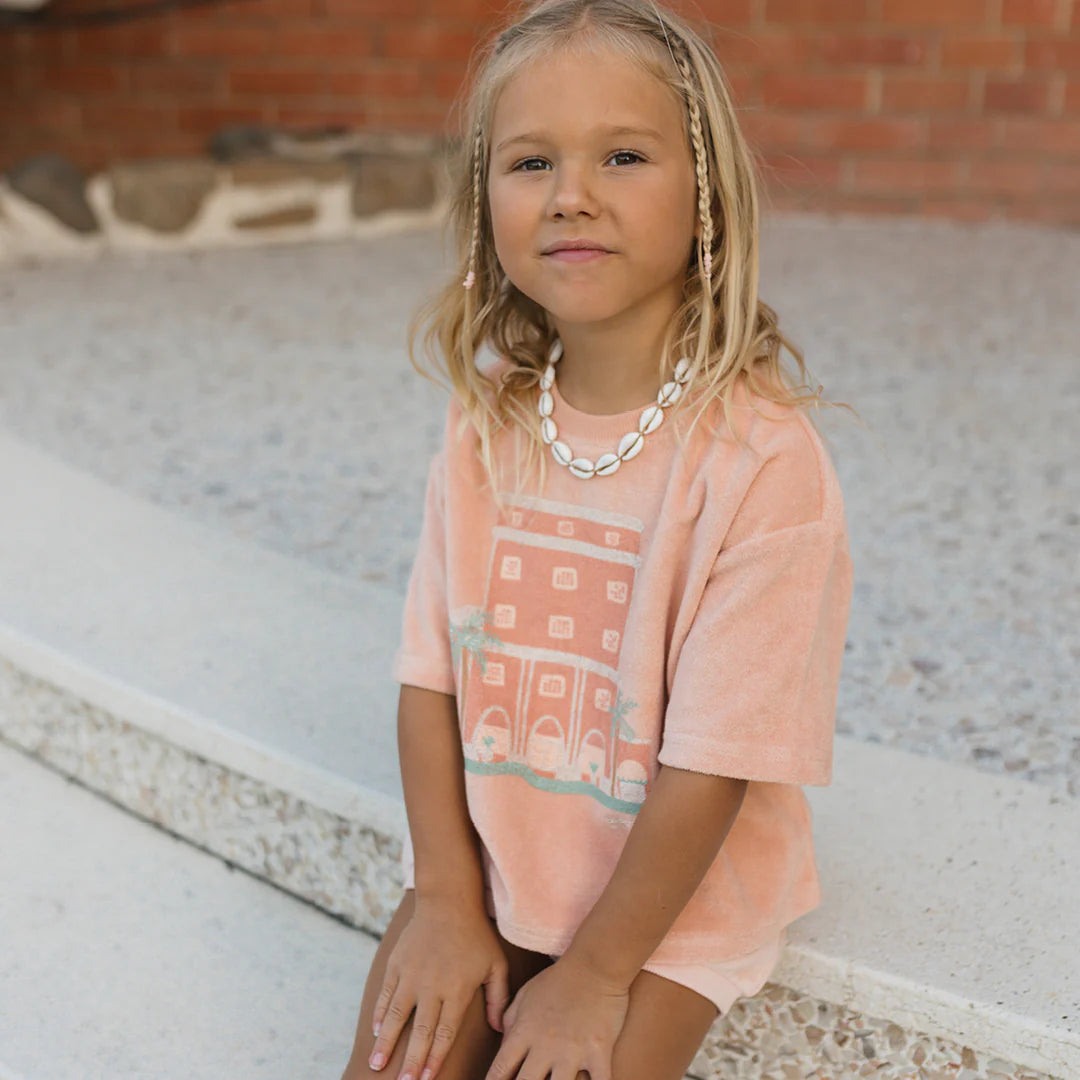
pixel 537 667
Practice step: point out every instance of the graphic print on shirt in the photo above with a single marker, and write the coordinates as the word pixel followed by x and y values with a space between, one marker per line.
pixel 537 666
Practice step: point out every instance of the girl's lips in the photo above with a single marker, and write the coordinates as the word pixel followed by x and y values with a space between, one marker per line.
pixel 577 254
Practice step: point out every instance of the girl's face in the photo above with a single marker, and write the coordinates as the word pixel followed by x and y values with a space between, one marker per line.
pixel 559 170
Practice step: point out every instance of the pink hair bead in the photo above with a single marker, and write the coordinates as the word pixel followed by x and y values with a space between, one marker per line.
pixel 470 279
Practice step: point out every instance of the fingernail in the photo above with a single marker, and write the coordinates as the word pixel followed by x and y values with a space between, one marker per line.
pixel 427 1075
pixel 378 1024
pixel 407 1076
pixel 377 1061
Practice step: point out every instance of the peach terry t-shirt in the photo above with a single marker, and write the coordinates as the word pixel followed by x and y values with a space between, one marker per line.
pixel 681 612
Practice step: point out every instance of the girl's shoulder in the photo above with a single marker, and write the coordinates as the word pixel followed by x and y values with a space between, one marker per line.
pixel 766 427
pixel 793 475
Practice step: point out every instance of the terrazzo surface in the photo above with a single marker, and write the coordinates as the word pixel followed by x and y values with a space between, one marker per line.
pixel 268 392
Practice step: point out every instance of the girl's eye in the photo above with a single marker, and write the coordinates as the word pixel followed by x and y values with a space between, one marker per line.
pixel 618 153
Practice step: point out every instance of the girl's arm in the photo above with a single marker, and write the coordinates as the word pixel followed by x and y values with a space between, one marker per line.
pixel 446 848
pixel 675 838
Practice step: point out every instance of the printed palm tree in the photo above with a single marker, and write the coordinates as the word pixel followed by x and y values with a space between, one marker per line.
pixel 618 712
pixel 469 636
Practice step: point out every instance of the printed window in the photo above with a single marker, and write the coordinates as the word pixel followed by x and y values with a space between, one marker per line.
pixel 611 538
pixel 611 640
pixel 617 591
pixel 565 528
pixel 602 700
pixel 516 517
pixel 495 675
pixel 564 577
pixel 552 686
pixel 561 626
pixel 511 568
pixel 505 615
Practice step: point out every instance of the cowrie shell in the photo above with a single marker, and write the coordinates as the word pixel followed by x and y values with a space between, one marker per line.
pixel 651 419
pixel 606 464
pixel 670 392
pixel 630 445
pixel 563 454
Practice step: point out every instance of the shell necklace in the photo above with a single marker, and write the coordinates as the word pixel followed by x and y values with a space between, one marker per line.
pixel 629 445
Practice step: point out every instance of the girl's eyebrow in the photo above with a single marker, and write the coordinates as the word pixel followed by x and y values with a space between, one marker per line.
pixel 617 129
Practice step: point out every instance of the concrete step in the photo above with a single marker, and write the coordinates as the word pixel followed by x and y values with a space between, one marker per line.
pixel 128 953
pixel 242 700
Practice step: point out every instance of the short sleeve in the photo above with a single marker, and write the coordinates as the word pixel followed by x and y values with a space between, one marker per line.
pixel 755 685
pixel 423 655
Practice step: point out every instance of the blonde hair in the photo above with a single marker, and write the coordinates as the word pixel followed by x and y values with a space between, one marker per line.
pixel 722 327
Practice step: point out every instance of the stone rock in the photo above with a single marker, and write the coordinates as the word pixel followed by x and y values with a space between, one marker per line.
pixel 314 143
pixel 293 215
pixel 393 182
pixel 56 185
pixel 241 141
pixel 268 171
pixel 896 1035
pixel 164 195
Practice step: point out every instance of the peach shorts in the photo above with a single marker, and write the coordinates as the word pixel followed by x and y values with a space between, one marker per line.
pixel 722 983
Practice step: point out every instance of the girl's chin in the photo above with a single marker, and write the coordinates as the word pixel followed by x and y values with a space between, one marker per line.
pixel 573 302
pixel 577 304
pixel 578 315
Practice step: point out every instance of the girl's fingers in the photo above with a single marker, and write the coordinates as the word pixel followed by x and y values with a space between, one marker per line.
pixel 508 1061
pixel 601 1070
pixel 423 1030
pixel 394 1014
pixel 385 994
pixel 446 1030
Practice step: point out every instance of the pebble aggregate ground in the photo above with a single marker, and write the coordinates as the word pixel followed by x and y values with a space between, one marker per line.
pixel 268 392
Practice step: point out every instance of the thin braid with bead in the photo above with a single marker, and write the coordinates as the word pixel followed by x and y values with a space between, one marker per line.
pixel 478 147
pixel 700 166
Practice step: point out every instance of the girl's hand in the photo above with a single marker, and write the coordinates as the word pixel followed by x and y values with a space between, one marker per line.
pixel 444 953
pixel 563 1020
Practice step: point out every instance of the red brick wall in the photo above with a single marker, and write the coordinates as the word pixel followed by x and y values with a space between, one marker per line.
pixel 964 108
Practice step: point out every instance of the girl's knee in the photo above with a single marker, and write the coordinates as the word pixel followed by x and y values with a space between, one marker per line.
pixel 469 1056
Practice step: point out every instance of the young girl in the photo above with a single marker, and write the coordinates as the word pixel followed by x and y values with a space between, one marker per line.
pixel 617 673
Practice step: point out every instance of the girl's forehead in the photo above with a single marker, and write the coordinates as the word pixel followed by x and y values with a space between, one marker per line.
pixel 576 90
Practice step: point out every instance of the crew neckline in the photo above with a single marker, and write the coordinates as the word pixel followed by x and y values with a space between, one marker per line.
pixel 593 427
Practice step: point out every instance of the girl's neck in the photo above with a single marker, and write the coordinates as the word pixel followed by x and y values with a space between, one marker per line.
pixel 620 392
pixel 610 370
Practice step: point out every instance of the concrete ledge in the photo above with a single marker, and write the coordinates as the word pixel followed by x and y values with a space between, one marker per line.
pixel 231 651
pixel 948 892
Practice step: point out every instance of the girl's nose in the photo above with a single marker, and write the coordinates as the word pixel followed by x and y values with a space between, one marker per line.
pixel 572 193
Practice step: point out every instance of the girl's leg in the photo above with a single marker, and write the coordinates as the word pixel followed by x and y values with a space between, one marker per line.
pixel 473 1050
